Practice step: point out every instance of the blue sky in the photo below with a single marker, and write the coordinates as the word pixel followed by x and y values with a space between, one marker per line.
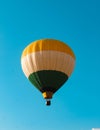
pixel 76 106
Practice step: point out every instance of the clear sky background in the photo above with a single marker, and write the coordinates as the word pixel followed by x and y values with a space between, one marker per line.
pixel 76 106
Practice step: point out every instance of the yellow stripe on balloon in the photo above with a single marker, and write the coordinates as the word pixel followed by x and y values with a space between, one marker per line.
pixel 48 44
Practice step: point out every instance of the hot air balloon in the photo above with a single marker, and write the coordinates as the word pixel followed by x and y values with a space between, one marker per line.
pixel 47 63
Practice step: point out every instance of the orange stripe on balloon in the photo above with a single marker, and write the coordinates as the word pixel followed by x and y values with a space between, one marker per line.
pixel 48 44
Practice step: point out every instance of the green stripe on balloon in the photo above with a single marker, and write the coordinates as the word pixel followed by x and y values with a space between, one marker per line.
pixel 48 80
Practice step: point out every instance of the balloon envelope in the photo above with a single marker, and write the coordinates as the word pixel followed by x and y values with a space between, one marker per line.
pixel 48 64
